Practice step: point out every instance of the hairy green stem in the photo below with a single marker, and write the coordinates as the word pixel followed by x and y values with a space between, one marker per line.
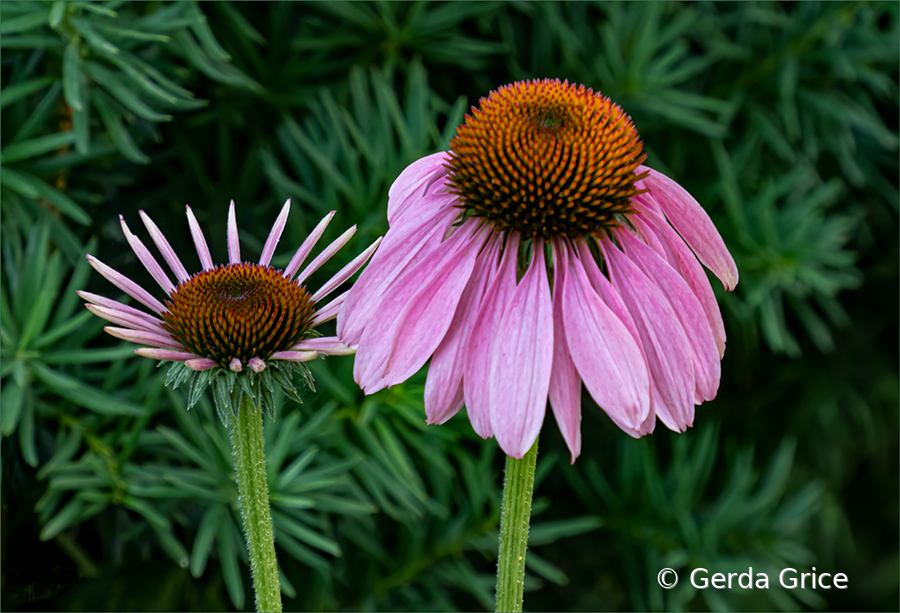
pixel 253 491
pixel 515 517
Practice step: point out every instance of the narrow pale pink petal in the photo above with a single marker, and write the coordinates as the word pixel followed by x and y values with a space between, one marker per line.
pixel 443 387
pixel 330 310
pixel 693 223
pixel 256 364
pixel 414 182
pixel 522 360
pixel 234 245
pixel 142 337
pixel 704 353
pixel 235 365
pixel 168 354
pixel 118 316
pixel 199 241
pixel 147 259
pixel 126 285
pixel 165 248
pixel 346 272
pixel 326 345
pixel 201 364
pixel 479 349
pixel 294 356
pixel 662 337
pixel 307 246
pixel 604 351
pixel 399 253
pixel 275 234
pixel 685 262
pixel 565 382
pixel 415 314
pixel 326 254
pixel 150 321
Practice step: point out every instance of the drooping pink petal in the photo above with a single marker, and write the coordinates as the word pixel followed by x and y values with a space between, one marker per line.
pixel 118 316
pixel 693 223
pixel 168 354
pixel 126 285
pixel 415 313
pixel 275 234
pixel 201 364
pixel 685 262
pixel 565 382
pixel 330 310
pixel 307 246
pixel 521 361
pixel 687 308
pixel 165 248
pixel 235 365
pixel 199 241
pixel 256 364
pixel 326 345
pixel 399 253
pixel 326 254
pixel 147 259
pixel 414 182
pixel 346 272
pixel 294 356
pixel 443 387
pixel 604 351
pixel 150 321
pixel 479 349
pixel 234 245
pixel 663 339
pixel 142 337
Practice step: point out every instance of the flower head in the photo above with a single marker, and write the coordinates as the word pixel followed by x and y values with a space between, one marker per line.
pixel 231 317
pixel 537 254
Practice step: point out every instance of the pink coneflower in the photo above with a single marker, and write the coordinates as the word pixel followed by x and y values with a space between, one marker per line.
pixel 536 254
pixel 235 316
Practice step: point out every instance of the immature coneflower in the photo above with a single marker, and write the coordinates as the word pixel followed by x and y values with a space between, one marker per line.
pixel 239 316
pixel 536 254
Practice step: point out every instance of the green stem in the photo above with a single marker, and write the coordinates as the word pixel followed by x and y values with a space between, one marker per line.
pixel 515 516
pixel 253 491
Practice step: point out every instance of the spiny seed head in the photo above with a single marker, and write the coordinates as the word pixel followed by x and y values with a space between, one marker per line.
pixel 238 311
pixel 546 158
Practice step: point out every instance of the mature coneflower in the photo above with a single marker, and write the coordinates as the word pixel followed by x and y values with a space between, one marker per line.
pixel 536 254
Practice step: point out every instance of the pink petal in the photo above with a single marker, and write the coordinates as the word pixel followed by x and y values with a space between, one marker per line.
pixel 165 248
pixel 123 318
pixel 303 251
pixel 326 345
pixel 235 365
pixel 147 259
pixel 604 351
pixel 400 251
pixel 479 349
pixel 330 310
pixel 346 272
pixel 565 382
pixel 275 234
pixel 126 285
pixel 415 314
pixel 683 260
pixel 113 305
pixel 200 364
pixel 663 339
pixel 415 181
pixel 199 240
pixel 294 356
pixel 326 254
pixel 522 359
pixel 142 337
pixel 687 308
pixel 692 223
pixel 168 354
pixel 443 387
pixel 234 246
pixel 256 364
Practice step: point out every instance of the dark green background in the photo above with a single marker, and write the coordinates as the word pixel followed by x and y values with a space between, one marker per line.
pixel 781 118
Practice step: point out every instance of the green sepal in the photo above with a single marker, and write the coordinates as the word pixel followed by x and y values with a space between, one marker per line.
pixel 198 384
pixel 178 372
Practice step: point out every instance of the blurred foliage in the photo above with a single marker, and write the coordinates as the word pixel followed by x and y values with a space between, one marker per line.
pixel 781 118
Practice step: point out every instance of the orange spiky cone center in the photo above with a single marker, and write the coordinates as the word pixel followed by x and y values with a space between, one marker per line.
pixel 238 311
pixel 546 158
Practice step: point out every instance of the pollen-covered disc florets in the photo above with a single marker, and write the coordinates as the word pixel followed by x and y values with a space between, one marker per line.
pixel 239 311
pixel 546 158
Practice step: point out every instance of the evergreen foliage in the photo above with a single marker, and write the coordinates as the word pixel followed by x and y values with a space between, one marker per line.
pixel 781 118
